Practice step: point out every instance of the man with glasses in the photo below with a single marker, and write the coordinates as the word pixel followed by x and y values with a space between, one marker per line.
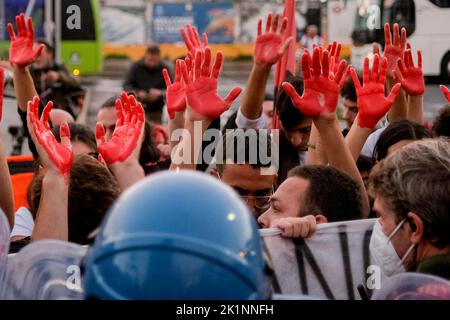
pixel 246 160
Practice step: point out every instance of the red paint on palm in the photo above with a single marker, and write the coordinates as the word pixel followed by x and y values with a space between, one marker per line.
pixel 411 77
pixel 270 47
pixel 201 86
pixel 192 40
pixel 372 103
pixel 59 153
pixel 176 91
pixel 395 48
pixel 22 51
pixel 321 92
pixel 129 127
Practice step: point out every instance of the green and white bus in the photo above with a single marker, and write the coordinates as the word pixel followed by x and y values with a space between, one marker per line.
pixel 73 27
pixel 428 29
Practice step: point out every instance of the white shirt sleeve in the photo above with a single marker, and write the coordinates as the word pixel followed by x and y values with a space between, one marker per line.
pixel 243 122
pixel 372 140
pixel 23 223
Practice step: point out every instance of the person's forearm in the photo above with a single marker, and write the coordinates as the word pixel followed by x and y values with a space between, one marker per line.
pixel 340 157
pixel 188 150
pixel 415 109
pixel 175 124
pixel 127 174
pixel 399 108
pixel 6 193
pixel 316 154
pixel 356 138
pixel 255 91
pixel 52 216
pixel 23 87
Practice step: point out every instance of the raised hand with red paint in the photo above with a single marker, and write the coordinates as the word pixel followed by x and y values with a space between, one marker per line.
pixel 269 47
pixel 176 91
pixel 22 51
pixel 411 77
pixel 201 87
pixel 2 85
pixel 127 137
pixel 52 154
pixel 445 92
pixel 372 103
pixel 192 40
pixel 321 92
pixel 394 50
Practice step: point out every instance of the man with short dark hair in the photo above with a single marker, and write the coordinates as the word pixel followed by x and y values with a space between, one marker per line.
pixel 321 191
pixel 349 104
pixel 146 79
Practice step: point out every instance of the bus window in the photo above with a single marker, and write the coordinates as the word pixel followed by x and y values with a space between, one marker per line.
pixel 441 3
pixel 402 12
pixel 86 32
pixel 367 22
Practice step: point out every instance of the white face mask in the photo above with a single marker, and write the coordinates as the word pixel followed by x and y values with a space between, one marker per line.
pixel 383 251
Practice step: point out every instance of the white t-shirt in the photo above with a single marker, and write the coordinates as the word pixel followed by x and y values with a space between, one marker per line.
pixel 372 140
pixel 242 122
pixel 23 223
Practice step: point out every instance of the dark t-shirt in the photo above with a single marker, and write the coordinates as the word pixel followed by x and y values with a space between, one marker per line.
pixel 141 77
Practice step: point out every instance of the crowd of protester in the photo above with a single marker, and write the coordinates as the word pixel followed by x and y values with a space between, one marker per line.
pixel 90 187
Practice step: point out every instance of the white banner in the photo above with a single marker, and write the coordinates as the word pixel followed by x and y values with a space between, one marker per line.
pixel 331 264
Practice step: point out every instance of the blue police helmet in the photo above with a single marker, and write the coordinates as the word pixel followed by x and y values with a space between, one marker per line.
pixel 177 235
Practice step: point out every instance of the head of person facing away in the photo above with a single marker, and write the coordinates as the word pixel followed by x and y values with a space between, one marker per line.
pixel 323 191
pixel 411 189
pixel 295 127
pixel 246 160
pixel 349 102
pixel 441 124
pixel 92 190
pixel 397 135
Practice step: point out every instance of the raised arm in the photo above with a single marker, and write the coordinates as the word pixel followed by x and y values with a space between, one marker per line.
pixel 121 152
pixel 319 101
pixel 56 160
pixel 413 83
pixel 204 105
pixel 395 45
pixel 6 194
pixel 22 53
pixel 269 48
pixel 372 103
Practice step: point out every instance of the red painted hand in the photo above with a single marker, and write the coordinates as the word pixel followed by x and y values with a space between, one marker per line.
pixel 201 87
pixel 192 40
pixel 2 80
pixel 321 93
pixel 269 47
pixel 22 52
pixel 372 104
pixel 393 51
pixel 127 137
pixel 410 77
pixel 445 92
pixel 176 91
pixel 51 152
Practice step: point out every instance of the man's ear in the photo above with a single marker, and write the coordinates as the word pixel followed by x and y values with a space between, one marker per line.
pixel 417 227
pixel 321 219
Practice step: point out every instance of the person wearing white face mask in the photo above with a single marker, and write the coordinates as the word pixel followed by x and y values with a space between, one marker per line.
pixel 412 199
